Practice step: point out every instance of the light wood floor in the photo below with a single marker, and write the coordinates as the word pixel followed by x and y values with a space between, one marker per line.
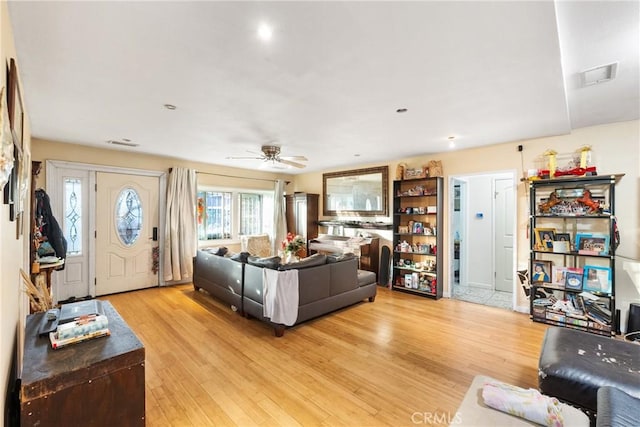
pixel 393 362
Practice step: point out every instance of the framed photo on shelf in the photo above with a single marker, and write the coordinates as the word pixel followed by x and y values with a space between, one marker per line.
pixel 541 272
pixel 573 279
pixel 544 238
pixel 592 244
pixel 597 279
pixel 562 243
pixel 559 275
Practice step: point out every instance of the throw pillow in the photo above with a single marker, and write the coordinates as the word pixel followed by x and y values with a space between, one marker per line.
pixel 340 257
pixel 312 261
pixel 269 262
pixel 241 257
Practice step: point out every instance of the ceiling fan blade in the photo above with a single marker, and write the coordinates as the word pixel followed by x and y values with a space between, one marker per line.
pixel 290 163
pixel 244 158
pixel 299 158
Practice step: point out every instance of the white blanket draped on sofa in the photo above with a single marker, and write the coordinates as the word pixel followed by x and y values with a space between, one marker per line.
pixel 280 295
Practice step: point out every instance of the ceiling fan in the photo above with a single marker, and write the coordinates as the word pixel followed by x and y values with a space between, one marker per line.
pixel 271 154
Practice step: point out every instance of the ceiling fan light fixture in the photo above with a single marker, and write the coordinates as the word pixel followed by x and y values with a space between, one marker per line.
pixel 600 74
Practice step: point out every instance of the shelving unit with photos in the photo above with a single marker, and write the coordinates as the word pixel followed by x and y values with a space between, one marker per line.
pixel 417 226
pixel 572 252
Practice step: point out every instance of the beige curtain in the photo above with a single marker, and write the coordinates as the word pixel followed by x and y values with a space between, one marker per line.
pixel 280 220
pixel 181 237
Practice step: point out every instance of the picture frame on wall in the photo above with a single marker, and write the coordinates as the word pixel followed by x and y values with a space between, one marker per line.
pixel 16 117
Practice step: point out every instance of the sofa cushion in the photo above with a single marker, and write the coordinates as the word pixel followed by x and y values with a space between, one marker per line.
pixel 241 257
pixel 366 277
pixel 616 408
pixel 272 262
pixel 220 251
pixel 340 257
pixel 311 261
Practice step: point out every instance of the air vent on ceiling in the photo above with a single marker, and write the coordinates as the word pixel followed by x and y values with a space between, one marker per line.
pixel 601 74
pixel 126 144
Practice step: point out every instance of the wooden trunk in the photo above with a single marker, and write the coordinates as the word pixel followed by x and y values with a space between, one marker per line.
pixel 99 382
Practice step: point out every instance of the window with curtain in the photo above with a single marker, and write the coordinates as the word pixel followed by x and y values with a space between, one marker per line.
pixel 228 214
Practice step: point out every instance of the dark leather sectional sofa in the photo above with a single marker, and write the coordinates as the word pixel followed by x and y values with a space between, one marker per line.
pixel 333 284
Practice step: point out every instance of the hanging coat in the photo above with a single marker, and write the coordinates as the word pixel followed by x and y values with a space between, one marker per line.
pixel 48 226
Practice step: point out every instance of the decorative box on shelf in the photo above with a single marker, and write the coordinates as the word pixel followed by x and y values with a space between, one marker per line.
pixel 415 173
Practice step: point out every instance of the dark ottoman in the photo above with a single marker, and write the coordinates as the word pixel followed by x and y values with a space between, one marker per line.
pixel 574 365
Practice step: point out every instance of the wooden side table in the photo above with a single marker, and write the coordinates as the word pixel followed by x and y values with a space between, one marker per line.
pixel 99 382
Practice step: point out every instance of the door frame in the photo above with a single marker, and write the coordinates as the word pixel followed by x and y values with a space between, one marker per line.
pixel 55 191
pixel 465 218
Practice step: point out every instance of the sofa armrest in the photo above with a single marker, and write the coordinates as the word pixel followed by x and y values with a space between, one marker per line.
pixel 616 408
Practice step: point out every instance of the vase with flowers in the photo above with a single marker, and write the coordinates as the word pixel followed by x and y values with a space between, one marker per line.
pixel 291 246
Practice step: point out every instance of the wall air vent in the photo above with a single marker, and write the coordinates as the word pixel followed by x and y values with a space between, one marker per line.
pixel 596 75
pixel 124 143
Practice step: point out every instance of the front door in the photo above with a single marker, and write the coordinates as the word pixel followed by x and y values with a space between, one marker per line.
pixel 127 213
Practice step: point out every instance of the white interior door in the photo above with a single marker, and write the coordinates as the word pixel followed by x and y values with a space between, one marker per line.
pixel 127 213
pixel 504 228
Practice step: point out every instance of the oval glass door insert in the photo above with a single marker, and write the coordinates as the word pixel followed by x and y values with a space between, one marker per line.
pixel 128 216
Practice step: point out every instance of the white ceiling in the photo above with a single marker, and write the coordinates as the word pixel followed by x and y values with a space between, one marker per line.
pixel 328 84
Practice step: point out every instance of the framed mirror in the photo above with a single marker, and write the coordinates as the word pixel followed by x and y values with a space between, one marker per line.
pixel 360 192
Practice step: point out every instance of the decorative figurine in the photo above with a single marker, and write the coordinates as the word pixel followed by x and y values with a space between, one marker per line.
pixel 593 205
pixel 551 202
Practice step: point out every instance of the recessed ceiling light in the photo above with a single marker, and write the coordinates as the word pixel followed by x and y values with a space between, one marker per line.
pixel 356 155
pixel 265 32
pixel 170 106
pixel 401 110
